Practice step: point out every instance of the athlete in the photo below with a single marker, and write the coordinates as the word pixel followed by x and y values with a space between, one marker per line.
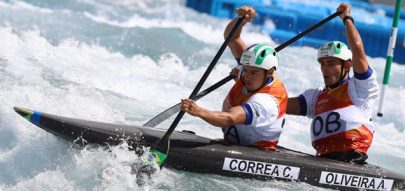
pixel 253 112
pixel 341 127
pixel 254 109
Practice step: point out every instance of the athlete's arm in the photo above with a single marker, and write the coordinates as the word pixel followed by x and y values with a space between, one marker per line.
pixel 293 106
pixel 359 60
pixel 237 45
pixel 236 115
pixel 303 104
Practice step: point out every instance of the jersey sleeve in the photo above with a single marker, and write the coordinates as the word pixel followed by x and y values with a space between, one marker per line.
pixel 307 102
pixel 363 90
pixel 261 110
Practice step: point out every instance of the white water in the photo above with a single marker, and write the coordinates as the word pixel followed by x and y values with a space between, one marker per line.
pixel 124 63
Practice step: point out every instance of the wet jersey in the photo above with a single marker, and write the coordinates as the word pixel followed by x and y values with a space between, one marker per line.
pixel 265 111
pixel 342 116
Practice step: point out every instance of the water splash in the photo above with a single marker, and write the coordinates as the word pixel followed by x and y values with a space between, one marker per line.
pixel 124 62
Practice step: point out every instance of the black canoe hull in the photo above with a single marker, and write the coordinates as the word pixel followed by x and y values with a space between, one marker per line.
pixel 194 153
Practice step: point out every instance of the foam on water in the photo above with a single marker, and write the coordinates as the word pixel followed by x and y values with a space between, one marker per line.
pixel 111 72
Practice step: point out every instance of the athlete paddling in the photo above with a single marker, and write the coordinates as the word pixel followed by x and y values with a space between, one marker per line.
pixel 342 128
pixel 254 109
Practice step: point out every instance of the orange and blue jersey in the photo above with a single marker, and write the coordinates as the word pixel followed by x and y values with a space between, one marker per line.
pixel 342 115
pixel 265 111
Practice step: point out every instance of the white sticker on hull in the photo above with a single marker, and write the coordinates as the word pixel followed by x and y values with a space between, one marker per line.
pixel 261 168
pixel 355 181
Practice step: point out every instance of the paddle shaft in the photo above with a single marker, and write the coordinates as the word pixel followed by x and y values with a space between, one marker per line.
pixel 174 109
pixel 327 19
pixel 165 139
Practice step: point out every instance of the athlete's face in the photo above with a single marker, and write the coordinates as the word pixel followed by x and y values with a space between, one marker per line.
pixel 331 69
pixel 253 77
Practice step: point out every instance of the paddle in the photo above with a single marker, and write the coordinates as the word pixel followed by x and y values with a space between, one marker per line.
pixel 159 151
pixel 176 108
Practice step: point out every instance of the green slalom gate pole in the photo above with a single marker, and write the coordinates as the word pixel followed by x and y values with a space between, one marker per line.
pixel 390 56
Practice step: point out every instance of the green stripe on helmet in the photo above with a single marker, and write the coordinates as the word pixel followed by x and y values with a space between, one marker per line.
pixel 261 52
pixel 335 49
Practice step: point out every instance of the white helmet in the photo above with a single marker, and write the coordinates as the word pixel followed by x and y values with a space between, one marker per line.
pixel 261 56
pixel 335 49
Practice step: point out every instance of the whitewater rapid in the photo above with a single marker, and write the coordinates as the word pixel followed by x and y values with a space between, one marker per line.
pixel 124 62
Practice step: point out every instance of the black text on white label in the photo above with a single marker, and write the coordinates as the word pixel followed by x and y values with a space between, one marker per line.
pixel 355 181
pixel 261 168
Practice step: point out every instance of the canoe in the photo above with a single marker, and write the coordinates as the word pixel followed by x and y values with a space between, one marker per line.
pixel 193 153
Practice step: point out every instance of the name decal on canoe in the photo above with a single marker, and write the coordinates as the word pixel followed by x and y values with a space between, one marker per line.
pixel 355 181
pixel 261 168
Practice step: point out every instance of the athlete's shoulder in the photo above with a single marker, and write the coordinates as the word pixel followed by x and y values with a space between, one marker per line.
pixel 369 74
pixel 261 97
pixel 365 83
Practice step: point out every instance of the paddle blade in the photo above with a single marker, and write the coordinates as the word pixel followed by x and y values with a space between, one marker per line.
pixel 158 157
pixel 163 116
pixel 151 160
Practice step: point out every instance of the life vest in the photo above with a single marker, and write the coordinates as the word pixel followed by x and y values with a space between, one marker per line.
pixel 339 125
pixel 263 137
